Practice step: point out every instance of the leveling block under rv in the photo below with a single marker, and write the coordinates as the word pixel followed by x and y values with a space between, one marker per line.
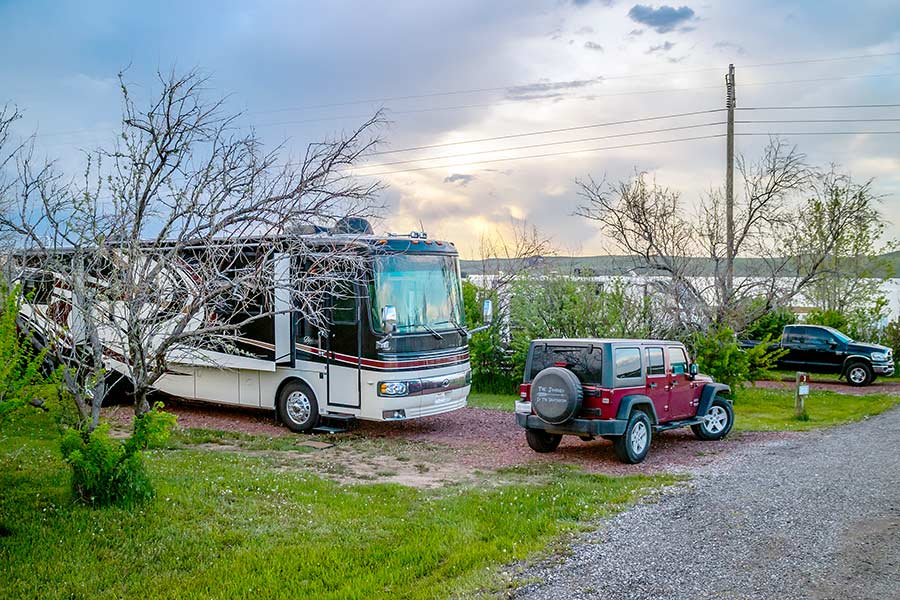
pixel 395 346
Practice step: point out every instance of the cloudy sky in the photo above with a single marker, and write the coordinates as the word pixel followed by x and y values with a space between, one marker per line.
pixel 449 72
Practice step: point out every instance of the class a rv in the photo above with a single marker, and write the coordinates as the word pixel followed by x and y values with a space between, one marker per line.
pixel 392 345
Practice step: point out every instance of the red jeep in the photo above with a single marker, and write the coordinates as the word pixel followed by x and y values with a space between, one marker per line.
pixel 621 390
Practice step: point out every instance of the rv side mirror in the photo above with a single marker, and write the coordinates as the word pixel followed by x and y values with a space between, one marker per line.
pixel 388 318
pixel 694 369
pixel 487 311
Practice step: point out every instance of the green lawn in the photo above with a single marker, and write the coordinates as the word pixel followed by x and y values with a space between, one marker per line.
pixel 493 401
pixel 758 409
pixel 239 525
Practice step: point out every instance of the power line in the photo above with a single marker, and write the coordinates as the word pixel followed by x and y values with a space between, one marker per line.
pixel 542 145
pixel 821 121
pixel 549 131
pixel 635 145
pixel 819 133
pixel 551 84
pixel 821 106
pixel 563 153
pixel 507 102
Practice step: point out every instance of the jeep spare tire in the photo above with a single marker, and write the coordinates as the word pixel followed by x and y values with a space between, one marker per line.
pixel 556 395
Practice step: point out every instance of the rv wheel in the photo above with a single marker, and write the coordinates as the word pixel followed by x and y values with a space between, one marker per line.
pixel 297 407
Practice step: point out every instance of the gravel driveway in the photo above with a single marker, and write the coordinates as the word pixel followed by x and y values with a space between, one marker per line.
pixel 812 517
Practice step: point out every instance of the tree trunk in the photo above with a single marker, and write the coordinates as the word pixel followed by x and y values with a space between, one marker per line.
pixel 141 403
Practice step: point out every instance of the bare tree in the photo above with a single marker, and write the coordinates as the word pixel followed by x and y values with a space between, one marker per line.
pixel 167 244
pixel 784 252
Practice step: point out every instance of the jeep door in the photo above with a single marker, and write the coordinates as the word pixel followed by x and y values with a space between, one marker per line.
pixel 657 381
pixel 681 395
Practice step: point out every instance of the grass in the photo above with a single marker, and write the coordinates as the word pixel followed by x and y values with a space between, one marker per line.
pixel 232 525
pixel 493 401
pixel 760 409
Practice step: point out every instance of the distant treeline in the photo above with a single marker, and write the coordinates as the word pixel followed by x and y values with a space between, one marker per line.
pixel 885 265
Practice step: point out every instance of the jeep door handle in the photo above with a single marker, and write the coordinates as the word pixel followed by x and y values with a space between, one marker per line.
pixel 651 385
pixel 673 384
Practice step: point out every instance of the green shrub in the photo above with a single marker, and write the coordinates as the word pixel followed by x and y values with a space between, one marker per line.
pixel 828 318
pixel 108 471
pixel 718 354
pixel 493 370
pixel 20 364
pixel 769 325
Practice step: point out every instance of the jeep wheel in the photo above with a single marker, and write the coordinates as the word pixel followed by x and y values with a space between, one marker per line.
pixel 717 421
pixel 860 374
pixel 632 446
pixel 541 441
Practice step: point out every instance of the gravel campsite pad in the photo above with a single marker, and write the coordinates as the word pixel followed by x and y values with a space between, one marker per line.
pixel 451 447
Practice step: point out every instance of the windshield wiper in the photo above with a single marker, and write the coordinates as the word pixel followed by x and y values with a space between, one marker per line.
pixel 462 330
pixel 427 328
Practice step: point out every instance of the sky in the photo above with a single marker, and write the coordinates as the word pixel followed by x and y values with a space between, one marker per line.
pixel 450 72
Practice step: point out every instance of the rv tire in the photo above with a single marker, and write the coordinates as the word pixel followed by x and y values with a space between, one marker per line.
pixel 297 406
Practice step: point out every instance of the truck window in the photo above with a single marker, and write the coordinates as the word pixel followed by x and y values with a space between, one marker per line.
pixel 584 361
pixel 656 364
pixel 818 337
pixel 678 360
pixel 628 363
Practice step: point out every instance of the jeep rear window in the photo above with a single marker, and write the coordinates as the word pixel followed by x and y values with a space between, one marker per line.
pixel 584 361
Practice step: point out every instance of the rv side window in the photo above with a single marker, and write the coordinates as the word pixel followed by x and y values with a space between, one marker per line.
pixel 343 309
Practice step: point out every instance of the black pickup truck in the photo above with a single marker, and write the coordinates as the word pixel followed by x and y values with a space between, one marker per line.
pixel 819 349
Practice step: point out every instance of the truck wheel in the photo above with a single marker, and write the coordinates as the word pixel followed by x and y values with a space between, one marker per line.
pixel 297 407
pixel 717 421
pixel 860 374
pixel 632 446
pixel 541 441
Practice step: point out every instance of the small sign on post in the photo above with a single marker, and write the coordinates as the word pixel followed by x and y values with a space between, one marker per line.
pixel 801 394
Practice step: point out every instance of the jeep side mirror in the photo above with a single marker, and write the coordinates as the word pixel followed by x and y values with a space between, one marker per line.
pixel 694 369
pixel 487 311
pixel 388 318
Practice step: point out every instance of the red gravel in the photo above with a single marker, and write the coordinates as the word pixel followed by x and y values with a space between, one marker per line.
pixel 490 439
pixel 479 438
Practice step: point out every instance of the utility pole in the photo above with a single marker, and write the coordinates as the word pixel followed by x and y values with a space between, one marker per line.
pixel 730 101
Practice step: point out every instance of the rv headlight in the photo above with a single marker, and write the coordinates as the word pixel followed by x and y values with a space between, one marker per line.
pixel 393 388
pixel 879 356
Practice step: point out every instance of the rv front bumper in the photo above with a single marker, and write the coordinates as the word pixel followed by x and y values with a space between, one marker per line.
pixel 574 426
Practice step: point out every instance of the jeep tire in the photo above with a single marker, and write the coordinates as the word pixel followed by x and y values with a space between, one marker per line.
pixel 556 395
pixel 717 421
pixel 859 374
pixel 632 446
pixel 541 441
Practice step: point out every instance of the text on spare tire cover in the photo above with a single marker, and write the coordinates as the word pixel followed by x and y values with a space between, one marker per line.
pixel 552 395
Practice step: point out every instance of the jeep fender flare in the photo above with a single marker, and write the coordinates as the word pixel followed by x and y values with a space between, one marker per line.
pixel 852 359
pixel 709 392
pixel 632 401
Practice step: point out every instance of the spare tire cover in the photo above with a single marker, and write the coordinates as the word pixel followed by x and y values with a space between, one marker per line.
pixel 556 395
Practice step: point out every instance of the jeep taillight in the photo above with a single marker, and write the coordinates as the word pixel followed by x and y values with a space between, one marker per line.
pixel 525 392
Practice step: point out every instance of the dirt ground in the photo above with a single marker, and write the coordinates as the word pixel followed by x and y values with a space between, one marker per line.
pixel 457 446
pixel 433 451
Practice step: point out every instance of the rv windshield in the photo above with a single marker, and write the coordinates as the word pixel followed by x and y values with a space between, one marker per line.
pixel 425 290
